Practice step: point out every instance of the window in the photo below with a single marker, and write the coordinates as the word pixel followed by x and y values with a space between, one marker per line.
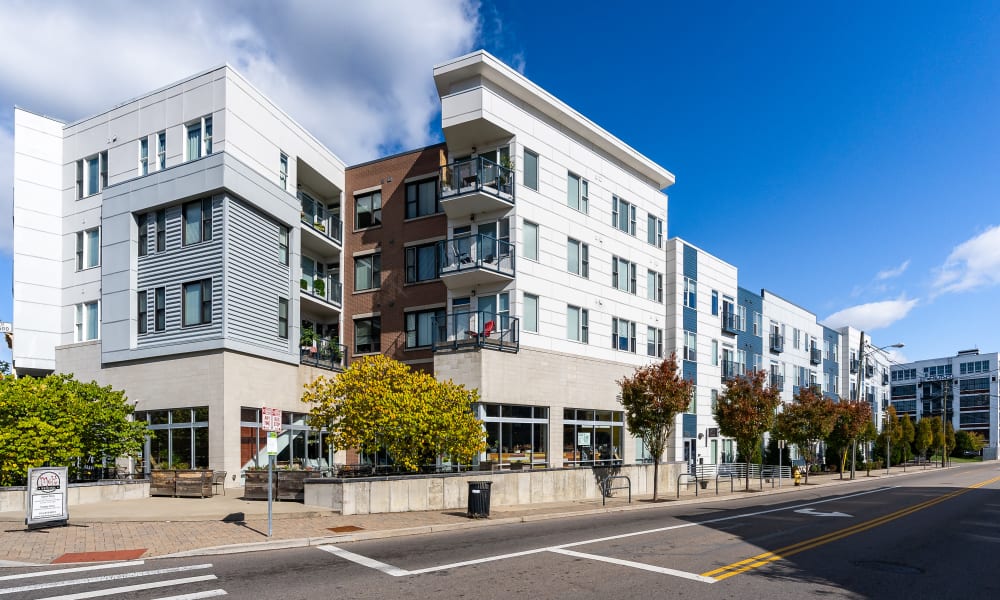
pixel 143 234
pixel 420 327
pixel 654 231
pixel 796 338
pixel 577 324
pixel 368 210
pixel 741 316
pixel 530 242
pixel 142 310
pixel 577 257
pixel 197 222
pixel 421 263
pixel 79 179
pixel 144 156
pixel 87 326
pixel 690 293
pixel 368 272
pixel 690 346
pixel 715 400
pixel 623 215
pixel 623 274
pixel 199 138
pixel 530 169
pixel 654 342
pixel 367 335
pixel 161 150
pixel 654 286
pixel 283 244
pixel 530 317
pixel 715 302
pixel 715 353
pixel 283 171
pixel 756 323
pixel 283 318
pixel 623 335
pixel 88 249
pixel 91 175
pixel 161 230
pixel 104 169
pixel 422 198
pixel 576 193
pixel 196 308
pixel 160 309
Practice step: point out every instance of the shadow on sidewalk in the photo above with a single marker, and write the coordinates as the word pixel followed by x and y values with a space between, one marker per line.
pixel 239 518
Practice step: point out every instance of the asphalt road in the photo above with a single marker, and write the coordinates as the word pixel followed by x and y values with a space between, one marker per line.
pixel 935 535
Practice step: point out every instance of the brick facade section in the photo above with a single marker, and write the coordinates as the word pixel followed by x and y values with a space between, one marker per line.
pixel 395 296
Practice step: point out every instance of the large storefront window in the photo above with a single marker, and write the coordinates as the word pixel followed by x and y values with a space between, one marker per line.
pixel 178 438
pixel 298 444
pixel 515 435
pixel 592 437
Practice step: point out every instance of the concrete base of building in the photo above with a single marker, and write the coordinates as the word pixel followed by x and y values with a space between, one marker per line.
pixel 15 498
pixel 510 488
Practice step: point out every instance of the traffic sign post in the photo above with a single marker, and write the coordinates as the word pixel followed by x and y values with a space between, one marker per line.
pixel 781 446
pixel 270 422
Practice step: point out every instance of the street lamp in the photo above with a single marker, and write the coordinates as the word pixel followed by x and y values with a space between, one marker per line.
pixel 862 354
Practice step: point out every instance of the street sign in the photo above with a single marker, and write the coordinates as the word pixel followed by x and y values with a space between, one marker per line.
pixel 6 327
pixel 781 444
pixel 270 419
pixel 272 443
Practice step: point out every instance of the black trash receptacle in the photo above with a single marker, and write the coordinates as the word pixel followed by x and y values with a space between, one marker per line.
pixel 479 499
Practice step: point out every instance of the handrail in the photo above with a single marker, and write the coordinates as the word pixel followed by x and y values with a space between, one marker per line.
pixel 606 488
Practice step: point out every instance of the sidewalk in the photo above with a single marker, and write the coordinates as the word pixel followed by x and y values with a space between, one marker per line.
pixel 156 527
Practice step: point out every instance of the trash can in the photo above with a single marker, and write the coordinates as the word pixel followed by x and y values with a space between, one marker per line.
pixel 479 499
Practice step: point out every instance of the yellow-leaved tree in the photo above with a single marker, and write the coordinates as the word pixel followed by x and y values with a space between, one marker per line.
pixel 379 402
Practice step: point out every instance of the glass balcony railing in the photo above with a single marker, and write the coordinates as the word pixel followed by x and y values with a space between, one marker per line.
pixel 815 356
pixel 777 343
pixel 477 175
pixel 316 216
pixel 777 381
pixel 324 353
pixel 730 322
pixel 731 370
pixel 478 251
pixel 476 329
pixel 855 365
pixel 325 288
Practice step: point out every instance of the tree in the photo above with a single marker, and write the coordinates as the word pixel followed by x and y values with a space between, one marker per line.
pixel 852 418
pixel 745 411
pixel 381 403
pixel 652 398
pixel 924 437
pixel 58 421
pixel 908 434
pixel 806 422
pixel 936 440
pixel 869 435
pixel 891 436
pixel 967 443
pixel 949 437
pixel 4 368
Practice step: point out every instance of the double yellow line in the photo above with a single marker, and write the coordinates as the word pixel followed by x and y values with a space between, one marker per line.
pixel 768 557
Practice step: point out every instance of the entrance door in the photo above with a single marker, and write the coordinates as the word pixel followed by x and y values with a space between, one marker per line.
pixel 713 452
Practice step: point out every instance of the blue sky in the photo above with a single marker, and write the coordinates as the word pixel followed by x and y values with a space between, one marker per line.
pixel 844 157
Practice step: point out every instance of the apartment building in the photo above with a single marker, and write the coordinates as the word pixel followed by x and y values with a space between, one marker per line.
pixel 171 247
pixel 865 364
pixel 962 387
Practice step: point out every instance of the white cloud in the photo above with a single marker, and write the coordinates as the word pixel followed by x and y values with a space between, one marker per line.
pixel 356 74
pixel 890 273
pixel 972 264
pixel 873 315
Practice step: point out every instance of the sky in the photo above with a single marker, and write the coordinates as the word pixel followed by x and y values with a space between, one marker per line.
pixel 845 156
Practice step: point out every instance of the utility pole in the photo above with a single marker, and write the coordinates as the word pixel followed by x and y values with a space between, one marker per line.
pixel 861 374
pixel 944 415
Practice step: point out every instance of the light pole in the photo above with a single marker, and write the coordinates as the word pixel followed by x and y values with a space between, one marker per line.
pixel 862 354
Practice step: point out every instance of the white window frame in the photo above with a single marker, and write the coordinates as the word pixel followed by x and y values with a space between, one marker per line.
pixel 144 156
pixel 85 257
pixel 580 333
pixel 204 127
pixel 161 150
pixel 531 313
pixel 582 201
pixel 623 209
pixel 654 286
pixel 532 239
pixel 283 171
pixel 690 293
pixel 81 331
pixel 582 266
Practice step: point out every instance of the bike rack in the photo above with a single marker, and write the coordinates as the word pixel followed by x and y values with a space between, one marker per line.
pixel 697 483
pixel 607 488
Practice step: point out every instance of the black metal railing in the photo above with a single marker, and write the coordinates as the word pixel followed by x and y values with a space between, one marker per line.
pixel 316 216
pixel 477 329
pixel 479 251
pixel 777 343
pixel 324 288
pixel 777 381
pixel 731 370
pixel 325 353
pixel 477 174
pixel 855 365
pixel 815 356
pixel 730 322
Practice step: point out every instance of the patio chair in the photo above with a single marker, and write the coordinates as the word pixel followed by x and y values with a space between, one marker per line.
pixel 219 478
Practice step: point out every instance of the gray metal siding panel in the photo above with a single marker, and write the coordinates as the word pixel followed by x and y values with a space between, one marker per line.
pixel 255 279
pixel 690 262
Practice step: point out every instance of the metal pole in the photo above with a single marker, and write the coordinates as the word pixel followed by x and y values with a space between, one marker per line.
pixel 944 415
pixel 270 474
pixel 861 374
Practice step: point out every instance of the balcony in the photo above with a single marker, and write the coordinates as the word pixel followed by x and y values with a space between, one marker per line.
pixel 476 329
pixel 323 233
pixel 777 343
pixel 869 371
pixel 855 365
pixel 731 370
pixel 322 291
pixel 324 353
pixel 730 322
pixel 815 356
pixel 470 260
pixel 474 186
pixel 885 379
pixel 776 381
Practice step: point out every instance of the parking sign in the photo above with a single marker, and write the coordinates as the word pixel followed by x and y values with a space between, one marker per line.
pixel 270 419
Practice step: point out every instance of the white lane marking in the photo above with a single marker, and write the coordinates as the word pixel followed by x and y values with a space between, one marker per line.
pixel 636 565
pixel 132 588
pixel 815 513
pixel 196 595
pixel 398 572
pixel 365 561
pixel 86 580
pixel 131 563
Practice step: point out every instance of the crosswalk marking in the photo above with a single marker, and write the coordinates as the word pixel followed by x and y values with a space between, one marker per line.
pixel 86 580
pixel 131 588
pixel 635 565
pixel 131 563
pixel 196 595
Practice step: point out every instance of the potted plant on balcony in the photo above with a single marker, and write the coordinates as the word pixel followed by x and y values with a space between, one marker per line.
pixel 506 174
pixel 319 287
pixel 304 284
pixel 307 337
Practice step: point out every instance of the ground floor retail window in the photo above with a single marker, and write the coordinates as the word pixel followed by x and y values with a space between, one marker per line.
pixel 298 444
pixel 515 435
pixel 592 437
pixel 178 438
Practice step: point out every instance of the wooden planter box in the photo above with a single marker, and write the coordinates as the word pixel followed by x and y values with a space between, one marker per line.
pixel 286 485
pixel 256 485
pixel 193 484
pixel 161 483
